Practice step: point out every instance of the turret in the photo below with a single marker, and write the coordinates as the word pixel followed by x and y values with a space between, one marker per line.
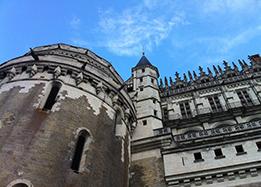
pixel 147 98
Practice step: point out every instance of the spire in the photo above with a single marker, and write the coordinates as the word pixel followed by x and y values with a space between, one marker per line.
pixel 195 75
pixel 215 70
pixel 220 69
pixel 190 76
pixel 143 61
pixel 177 77
pixel 209 72
pixel 235 67
pixel 185 77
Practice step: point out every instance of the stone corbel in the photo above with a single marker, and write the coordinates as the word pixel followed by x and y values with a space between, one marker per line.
pixel 79 78
pixel 33 70
pixel 57 72
pixel 100 90
pixel 11 73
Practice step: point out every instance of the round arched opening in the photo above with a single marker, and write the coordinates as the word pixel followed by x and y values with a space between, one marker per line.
pixel 20 185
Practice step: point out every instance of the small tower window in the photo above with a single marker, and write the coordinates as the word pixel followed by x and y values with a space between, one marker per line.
pixel 152 80
pixel 82 138
pixel 51 99
pixel 143 70
pixel 155 112
pixel 141 79
pixel 141 89
pixel 144 122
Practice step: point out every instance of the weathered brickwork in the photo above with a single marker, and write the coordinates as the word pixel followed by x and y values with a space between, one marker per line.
pixel 147 172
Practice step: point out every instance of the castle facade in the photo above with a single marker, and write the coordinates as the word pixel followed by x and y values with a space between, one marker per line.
pixel 67 118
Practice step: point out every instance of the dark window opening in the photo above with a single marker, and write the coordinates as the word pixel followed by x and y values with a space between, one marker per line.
pixel 141 79
pixel 215 104
pixel 51 99
pixel 185 110
pixel 20 185
pixel 154 101
pixel 46 68
pixel 144 122
pixel 69 72
pixel 258 144
pixel 165 113
pixel 219 154
pixel 198 157
pixel 143 70
pixel 244 98
pixel 78 151
pixel 155 112
pixel 24 68
pixel 141 89
pixel 240 150
pixel 152 80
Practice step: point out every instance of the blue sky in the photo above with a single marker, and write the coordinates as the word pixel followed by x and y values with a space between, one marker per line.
pixel 177 35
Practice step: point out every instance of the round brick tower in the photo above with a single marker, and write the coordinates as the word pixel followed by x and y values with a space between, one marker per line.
pixel 65 120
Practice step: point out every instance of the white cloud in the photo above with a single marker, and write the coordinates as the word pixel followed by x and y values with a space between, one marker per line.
pixel 127 32
pixel 75 23
pixel 213 6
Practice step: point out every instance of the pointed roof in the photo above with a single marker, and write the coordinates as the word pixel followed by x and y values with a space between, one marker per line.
pixel 143 62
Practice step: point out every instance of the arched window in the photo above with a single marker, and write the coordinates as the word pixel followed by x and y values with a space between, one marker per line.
pixel 77 157
pixel 20 185
pixel 51 99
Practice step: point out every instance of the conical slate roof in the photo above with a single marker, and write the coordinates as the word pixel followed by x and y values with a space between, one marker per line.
pixel 143 62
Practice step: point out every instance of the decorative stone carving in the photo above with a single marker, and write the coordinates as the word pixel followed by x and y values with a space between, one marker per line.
pixel 11 73
pixel 33 70
pixel 57 72
pixel 79 78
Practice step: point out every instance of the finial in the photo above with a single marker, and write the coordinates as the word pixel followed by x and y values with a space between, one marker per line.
pixel 143 51
pixel 190 76
pixel 215 70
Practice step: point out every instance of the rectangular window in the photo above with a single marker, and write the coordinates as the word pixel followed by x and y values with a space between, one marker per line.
pixel 155 112
pixel 244 98
pixel 143 70
pixel 258 144
pixel 152 80
pixel 198 157
pixel 144 122
pixel 240 150
pixel 141 79
pixel 219 154
pixel 165 113
pixel 215 103
pixel 185 110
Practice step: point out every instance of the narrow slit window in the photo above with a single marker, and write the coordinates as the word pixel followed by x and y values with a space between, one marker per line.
pixel 51 99
pixel 77 157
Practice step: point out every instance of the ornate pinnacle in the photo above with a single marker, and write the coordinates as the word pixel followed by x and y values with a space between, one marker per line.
pixel 195 75
pixel 170 80
pixel 209 72
pixel 177 76
pixel 201 71
pixel 220 69
pixel 215 70
pixel 166 81
pixel 190 76
pixel 185 77
pixel 161 82
pixel 235 67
